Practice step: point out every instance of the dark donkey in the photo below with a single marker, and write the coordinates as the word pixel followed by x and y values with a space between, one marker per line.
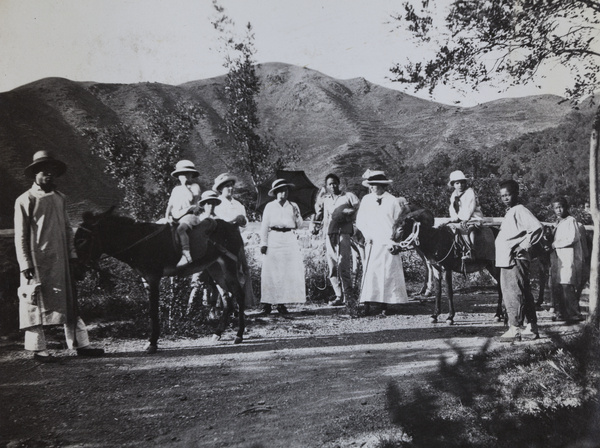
pixel 150 249
pixel 415 231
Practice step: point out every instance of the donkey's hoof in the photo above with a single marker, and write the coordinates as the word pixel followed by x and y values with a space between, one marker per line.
pixel 450 321
pixel 151 349
pixel 215 338
pixel 238 340
pixel 433 319
pixel 497 318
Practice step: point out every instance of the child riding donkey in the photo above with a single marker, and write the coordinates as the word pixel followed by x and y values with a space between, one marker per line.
pixel 182 206
pixel 474 240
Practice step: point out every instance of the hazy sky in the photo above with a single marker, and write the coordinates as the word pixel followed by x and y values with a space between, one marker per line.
pixel 173 41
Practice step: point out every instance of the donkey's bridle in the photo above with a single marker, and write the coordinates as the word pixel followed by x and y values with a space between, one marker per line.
pixel 412 239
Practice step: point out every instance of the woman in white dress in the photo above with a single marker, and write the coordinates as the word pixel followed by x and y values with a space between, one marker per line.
pixel 282 276
pixel 383 274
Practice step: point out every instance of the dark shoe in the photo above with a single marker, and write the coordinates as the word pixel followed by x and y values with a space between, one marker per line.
pixel 572 321
pixel 531 332
pixel 337 302
pixel 384 310
pixel 44 358
pixel 267 308
pixel 90 352
pixel 558 318
pixel 281 309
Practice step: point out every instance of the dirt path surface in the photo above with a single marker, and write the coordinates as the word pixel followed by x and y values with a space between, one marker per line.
pixel 316 378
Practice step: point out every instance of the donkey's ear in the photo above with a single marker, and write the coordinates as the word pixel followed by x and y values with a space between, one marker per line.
pixel 108 212
pixel 87 217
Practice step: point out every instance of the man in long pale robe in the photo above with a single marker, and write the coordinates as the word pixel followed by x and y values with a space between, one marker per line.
pixel 44 247
pixel 566 263
pixel 383 274
pixel 518 232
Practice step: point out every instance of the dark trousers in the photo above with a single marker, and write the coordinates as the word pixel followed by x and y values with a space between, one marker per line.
pixel 566 301
pixel 516 293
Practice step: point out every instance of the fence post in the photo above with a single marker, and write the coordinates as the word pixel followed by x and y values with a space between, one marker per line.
pixel 595 211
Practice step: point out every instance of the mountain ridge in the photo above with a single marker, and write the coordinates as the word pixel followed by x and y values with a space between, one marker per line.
pixel 344 126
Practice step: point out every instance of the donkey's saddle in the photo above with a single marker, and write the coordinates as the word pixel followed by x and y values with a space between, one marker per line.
pixel 483 247
pixel 199 237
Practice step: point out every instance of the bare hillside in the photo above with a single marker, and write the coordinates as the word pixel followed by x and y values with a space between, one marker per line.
pixel 338 125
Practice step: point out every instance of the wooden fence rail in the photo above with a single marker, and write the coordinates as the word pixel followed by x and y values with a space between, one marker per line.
pixel 492 222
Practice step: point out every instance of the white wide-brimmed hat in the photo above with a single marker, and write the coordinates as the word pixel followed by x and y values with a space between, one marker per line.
pixel 42 158
pixel 455 176
pixel 278 185
pixel 375 177
pixel 185 166
pixel 209 195
pixel 223 178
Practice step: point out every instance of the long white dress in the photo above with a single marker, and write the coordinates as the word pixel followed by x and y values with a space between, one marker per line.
pixel 383 274
pixel 282 276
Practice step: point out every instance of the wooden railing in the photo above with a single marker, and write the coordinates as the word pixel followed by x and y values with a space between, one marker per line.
pixel 492 222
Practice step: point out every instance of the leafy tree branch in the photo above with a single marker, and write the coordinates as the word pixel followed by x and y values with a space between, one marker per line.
pixel 478 41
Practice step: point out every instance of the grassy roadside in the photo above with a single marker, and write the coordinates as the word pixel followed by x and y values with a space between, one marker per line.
pixel 543 395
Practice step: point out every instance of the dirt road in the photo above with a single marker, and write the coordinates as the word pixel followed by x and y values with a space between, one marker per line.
pixel 314 379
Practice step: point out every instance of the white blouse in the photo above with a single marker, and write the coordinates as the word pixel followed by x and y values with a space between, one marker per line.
pixel 468 206
pixel 228 210
pixel 276 215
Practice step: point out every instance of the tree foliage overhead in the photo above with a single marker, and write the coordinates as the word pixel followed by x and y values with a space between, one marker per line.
pixel 480 41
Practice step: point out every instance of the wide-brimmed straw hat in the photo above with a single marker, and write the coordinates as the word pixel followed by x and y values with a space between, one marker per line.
pixel 375 177
pixel 45 158
pixel 185 166
pixel 455 176
pixel 209 195
pixel 278 185
pixel 223 178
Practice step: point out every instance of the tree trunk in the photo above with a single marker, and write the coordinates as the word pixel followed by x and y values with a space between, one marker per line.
pixel 595 211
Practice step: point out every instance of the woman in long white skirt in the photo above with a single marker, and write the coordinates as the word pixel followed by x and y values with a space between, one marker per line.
pixel 383 274
pixel 282 276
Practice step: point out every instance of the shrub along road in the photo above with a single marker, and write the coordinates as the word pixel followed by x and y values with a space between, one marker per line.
pixel 315 378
